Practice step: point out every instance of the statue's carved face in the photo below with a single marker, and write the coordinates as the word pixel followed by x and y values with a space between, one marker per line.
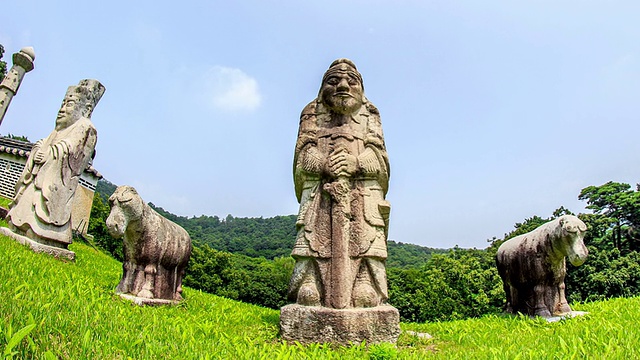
pixel 342 92
pixel 69 112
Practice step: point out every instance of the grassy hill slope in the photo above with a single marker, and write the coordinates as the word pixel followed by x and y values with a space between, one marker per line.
pixel 73 313
pixel 53 309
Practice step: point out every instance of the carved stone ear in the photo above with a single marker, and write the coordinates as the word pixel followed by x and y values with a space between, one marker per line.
pixel 127 195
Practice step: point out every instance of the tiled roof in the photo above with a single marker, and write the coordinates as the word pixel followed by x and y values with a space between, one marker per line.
pixel 23 149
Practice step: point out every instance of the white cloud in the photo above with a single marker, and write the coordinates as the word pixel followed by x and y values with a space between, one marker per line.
pixel 230 89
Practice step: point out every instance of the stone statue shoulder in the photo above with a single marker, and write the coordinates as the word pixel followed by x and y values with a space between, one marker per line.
pixel 372 108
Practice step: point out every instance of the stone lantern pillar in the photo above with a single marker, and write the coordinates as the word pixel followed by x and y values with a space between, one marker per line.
pixel 22 64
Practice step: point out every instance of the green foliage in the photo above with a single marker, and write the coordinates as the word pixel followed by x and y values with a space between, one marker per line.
pixel 105 188
pixel 425 284
pixel 14 339
pixel 619 205
pixel 459 284
pixel 210 270
pixel 3 64
pixel 98 228
pixel 612 268
pixel 274 237
pixel 4 202
pixel 409 255
pixel 17 137
pixel 606 274
pixel 69 311
pixel 254 237
pixel 609 331
pixel 252 280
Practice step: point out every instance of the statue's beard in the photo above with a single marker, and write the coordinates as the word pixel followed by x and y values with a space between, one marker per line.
pixel 343 105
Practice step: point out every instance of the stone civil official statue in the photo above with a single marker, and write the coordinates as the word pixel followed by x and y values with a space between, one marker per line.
pixel 41 209
pixel 341 174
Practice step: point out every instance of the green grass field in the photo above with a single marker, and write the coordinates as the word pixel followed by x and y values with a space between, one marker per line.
pixel 53 309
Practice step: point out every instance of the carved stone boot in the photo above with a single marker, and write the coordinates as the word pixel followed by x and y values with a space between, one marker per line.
pixel 308 294
pixel 364 295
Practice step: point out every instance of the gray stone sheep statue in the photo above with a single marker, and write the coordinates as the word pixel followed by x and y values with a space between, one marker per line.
pixel 156 250
pixel 532 266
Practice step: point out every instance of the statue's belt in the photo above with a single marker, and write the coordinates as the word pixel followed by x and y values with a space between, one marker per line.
pixel 336 135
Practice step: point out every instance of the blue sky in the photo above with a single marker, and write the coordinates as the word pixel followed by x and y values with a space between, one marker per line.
pixel 493 111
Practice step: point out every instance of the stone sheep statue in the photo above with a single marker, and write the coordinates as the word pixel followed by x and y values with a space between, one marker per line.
pixel 532 266
pixel 156 250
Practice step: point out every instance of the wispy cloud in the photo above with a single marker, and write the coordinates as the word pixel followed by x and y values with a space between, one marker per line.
pixel 230 89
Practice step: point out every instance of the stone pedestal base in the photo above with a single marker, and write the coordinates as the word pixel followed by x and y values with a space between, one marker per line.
pixel 38 247
pixel 310 324
pixel 566 316
pixel 146 301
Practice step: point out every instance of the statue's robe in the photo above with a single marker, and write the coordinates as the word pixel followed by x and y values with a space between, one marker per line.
pixel 369 211
pixel 44 193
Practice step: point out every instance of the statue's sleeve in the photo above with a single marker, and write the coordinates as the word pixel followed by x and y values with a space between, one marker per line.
pixel 307 160
pixel 70 157
pixel 374 160
pixel 83 149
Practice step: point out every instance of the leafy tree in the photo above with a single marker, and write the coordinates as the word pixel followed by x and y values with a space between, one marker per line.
pixel 97 220
pixel 607 273
pixel 459 284
pixel 3 64
pixel 620 206
pixel 98 228
pixel 211 271
pixel 409 255
pixel 105 188
pixel 252 280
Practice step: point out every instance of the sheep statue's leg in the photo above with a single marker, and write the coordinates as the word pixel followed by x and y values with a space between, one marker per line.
pixel 149 283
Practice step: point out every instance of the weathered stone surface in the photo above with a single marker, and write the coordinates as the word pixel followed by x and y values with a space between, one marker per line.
pixel 156 250
pixel 311 324
pixel 532 266
pixel 22 64
pixel 140 301
pixel 419 335
pixel 565 316
pixel 41 209
pixel 341 176
pixel 38 247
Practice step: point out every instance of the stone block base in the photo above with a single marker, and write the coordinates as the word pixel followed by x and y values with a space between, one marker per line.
pixel 146 301
pixel 310 324
pixel 38 247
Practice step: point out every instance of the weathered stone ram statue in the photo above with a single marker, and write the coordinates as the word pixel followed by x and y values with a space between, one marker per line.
pixel 156 250
pixel 532 266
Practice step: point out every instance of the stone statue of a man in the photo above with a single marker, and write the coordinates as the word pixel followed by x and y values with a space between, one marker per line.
pixel 41 209
pixel 341 176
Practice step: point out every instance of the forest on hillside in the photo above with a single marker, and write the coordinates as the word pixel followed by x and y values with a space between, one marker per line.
pixel 267 238
pixel 248 259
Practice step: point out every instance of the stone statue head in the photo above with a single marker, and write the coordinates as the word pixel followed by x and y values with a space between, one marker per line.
pixel 342 89
pixel 79 101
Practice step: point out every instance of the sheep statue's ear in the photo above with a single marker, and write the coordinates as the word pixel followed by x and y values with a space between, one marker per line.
pixel 127 194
